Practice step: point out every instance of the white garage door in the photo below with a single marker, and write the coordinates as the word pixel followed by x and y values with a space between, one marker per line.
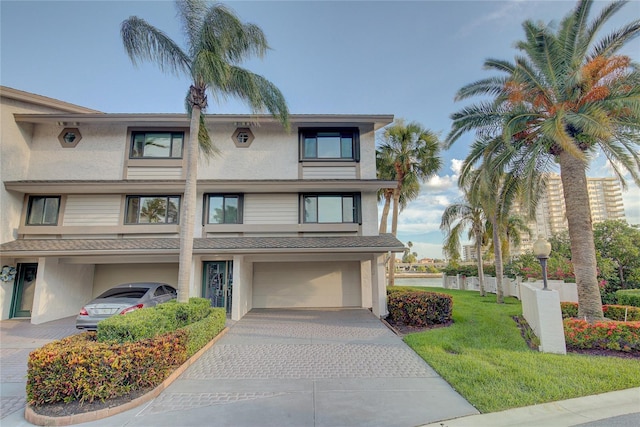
pixel 306 284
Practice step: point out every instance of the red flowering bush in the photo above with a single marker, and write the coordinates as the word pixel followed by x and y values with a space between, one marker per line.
pixel 418 308
pixel 613 312
pixel 611 335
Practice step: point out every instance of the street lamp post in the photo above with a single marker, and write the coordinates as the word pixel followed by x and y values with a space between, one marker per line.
pixel 542 249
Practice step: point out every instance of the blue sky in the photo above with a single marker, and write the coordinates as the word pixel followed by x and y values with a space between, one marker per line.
pixel 353 57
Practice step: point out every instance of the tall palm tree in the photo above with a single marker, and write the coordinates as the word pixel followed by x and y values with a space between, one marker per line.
pixel 566 98
pixel 458 217
pixel 410 190
pixel 216 43
pixel 413 153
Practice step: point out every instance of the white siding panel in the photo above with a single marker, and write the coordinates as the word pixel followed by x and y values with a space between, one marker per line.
pixel 270 209
pixel 329 172
pixel 154 173
pixel 92 210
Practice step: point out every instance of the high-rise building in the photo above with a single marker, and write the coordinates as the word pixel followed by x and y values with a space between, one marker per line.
pixel 605 199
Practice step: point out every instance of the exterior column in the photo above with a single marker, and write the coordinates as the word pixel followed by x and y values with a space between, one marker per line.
pixel 378 288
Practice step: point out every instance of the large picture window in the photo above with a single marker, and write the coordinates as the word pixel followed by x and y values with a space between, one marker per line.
pixel 331 208
pixel 152 210
pixel 224 209
pixel 329 144
pixel 43 210
pixel 167 145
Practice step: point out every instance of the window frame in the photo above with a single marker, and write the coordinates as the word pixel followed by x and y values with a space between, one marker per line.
pixel 173 134
pixel 357 207
pixel 30 202
pixel 207 205
pixel 167 198
pixel 353 132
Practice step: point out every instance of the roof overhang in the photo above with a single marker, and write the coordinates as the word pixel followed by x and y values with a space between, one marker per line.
pixel 174 119
pixel 221 245
pixel 207 186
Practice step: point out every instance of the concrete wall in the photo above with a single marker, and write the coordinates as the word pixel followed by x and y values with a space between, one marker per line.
pixel 365 283
pixel 61 290
pixel 542 311
pixel 242 292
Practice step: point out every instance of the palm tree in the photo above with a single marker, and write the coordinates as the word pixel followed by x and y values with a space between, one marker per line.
pixel 455 219
pixel 411 154
pixel 216 43
pixel 563 100
pixel 386 171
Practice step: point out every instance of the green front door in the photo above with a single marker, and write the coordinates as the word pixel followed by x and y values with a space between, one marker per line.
pixel 217 282
pixel 24 290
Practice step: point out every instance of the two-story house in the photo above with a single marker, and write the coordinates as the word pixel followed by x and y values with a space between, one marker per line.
pixel 284 219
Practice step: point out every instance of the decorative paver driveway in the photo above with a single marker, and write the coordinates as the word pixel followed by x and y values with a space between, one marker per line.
pixel 338 367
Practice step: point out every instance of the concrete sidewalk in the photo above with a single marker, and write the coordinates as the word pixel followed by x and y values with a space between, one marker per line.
pixel 306 368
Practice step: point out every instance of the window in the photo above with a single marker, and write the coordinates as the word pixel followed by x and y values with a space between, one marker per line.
pixel 224 209
pixel 329 144
pixel 331 208
pixel 152 210
pixel 166 145
pixel 43 210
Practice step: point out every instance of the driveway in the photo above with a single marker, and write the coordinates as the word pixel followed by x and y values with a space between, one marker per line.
pixel 298 368
pixel 339 367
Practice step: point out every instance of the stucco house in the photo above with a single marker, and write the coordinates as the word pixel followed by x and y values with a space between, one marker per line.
pixel 90 200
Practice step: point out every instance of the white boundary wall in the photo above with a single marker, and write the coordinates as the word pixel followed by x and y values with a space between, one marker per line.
pixel 542 311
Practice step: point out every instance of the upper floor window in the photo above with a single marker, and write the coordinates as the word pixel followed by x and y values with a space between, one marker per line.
pixel 224 208
pixel 167 145
pixel 331 208
pixel 329 144
pixel 43 210
pixel 152 210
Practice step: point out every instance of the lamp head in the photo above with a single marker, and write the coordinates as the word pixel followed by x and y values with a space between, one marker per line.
pixel 541 247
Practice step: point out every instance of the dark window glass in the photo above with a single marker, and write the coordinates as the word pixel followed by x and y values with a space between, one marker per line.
pixel 152 210
pixel 329 144
pixel 43 210
pixel 326 209
pixel 157 144
pixel 224 209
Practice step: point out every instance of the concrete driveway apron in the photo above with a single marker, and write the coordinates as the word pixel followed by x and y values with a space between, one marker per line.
pixel 338 367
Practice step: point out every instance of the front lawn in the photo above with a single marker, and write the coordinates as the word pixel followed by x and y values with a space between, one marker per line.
pixel 483 356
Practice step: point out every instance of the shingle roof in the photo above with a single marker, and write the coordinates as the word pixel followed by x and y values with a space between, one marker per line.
pixel 51 247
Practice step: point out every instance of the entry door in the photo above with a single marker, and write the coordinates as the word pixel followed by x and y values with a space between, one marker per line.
pixel 24 290
pixel 217 283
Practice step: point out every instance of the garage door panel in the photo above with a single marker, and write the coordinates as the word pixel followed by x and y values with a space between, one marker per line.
pixel 312 284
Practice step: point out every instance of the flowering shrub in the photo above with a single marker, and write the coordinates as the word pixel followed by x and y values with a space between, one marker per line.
pixel 614 312
pixel 618 336
pixel 419 308
pixel 569 309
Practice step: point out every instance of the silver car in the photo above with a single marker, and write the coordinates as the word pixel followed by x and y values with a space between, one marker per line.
pixel 122 300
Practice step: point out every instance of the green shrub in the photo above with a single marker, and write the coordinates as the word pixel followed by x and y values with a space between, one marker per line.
pixel 628 297
pixel 618 312
pixel 394 289
pixel 618 336
pixel 83 369
pixel 186 314
pixel 569 309
pixel 200 333
pixel 135 326
pixel 418 308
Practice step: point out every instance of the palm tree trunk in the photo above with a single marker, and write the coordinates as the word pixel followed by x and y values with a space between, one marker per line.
pixel 497 251
pixel 394 231
pixel 583 252
pixel 187 210
pixel 385 212
pixel 480 262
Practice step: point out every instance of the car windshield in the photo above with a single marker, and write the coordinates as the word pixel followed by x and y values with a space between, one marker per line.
pixel 125 293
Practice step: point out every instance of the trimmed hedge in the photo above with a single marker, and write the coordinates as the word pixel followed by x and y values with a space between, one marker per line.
pixel 613 312
pixel 84 368
pixel 618 336
pixel 628 297
pixel 419 308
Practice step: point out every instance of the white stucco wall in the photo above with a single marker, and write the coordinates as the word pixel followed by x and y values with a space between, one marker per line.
pixel 365 283
pixel 242 292
pixel 98 156
pixel 367 155
pixel 273 154
pixel 61 290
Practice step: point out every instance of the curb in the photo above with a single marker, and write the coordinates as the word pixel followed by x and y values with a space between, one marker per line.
pixel 44 420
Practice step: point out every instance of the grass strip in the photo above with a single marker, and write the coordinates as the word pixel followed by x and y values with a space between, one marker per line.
pixel 484 358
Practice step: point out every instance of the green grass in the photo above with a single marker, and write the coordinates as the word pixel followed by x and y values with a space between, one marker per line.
pixel 484 358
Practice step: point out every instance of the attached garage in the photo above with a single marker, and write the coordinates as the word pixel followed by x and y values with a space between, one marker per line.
pixel 306 284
